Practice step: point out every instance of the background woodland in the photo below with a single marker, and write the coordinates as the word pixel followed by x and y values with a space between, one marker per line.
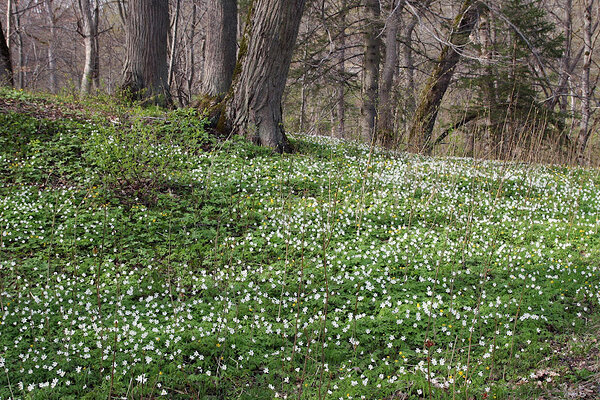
pixel 512 79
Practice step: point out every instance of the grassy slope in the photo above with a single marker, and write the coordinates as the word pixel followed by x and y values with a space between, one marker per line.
pixel 140 257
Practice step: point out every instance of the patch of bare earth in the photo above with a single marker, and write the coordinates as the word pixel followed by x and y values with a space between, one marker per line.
pixel 40 108
pixel 574 372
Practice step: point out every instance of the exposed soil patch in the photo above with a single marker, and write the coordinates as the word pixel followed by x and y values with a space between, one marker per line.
pixel 40 108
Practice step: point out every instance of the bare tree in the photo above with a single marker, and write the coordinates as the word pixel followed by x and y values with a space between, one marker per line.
pixel 9 8
pixel 51 45
pixel 6 77
pixel 191 51
pixel 409 64
pixel 145 75
pixel 386 115
pixel 436 86
pixel 18 43
pixel 487 33
pixel 174 39
pixel 91 74
pixel 586 88
pixel 567 65
pixel 371 62
pixel 341 71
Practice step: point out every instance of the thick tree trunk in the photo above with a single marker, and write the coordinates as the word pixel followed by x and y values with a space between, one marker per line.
pixel 371 62
pixel 6 75
pixel 145 76
pixel 586 89
pixel 220 50
pixel 386 114
pixel 254 106
pixel 434 90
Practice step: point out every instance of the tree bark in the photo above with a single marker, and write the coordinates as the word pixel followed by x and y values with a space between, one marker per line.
pixel 303 98
pixel 586 89
pixel 174 39
pixel 341 73
pixel 220 50
pixel 145 76
pixel 386 114
pixel 51 43
pixel 254 106
pixel 410 66
pixel 437 85
pixel 565 73
pixel 9 8
pixel 6 74
pixel 20 65
pixel 563 94
pixel 191 53
pixel 89 11
pixel 371 62
pixel 122 13
pixel 486 29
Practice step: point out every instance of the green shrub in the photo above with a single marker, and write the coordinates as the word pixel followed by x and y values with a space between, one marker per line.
pixel 142 157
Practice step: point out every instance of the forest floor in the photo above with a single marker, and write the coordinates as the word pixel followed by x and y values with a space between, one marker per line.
pixel 140 257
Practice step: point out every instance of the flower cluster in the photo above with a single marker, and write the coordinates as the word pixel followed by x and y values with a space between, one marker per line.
pixel 333 272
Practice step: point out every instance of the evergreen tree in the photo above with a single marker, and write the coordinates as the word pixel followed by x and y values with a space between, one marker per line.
pixel 510 80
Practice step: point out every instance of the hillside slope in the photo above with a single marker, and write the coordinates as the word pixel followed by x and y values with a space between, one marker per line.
pixel 142 258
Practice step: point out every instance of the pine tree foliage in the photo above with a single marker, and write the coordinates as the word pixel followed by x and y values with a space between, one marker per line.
pixel 512 77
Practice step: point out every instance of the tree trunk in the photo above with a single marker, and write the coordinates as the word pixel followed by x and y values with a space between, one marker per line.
pixel 254 107
pixel 386 114
pixel 341 72
pixel 565 73
pixel 409 92
pixel 586 89
pixel 563 94
pixel 191 53
pixel 333 129
pixel 371 61
pixel 174 39
pixel 122 13
pixel 220 50
pixel 89 11
pixel 9 8
pixel 303 97
pixel 409 62
pixel 96 74
pixel 434 90
pixel 20 65
pixel 51 42
pixel 6 77
pixel 145 76
pixel 486 29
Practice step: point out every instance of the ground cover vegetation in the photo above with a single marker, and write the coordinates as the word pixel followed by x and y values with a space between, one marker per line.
pixel 141 257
